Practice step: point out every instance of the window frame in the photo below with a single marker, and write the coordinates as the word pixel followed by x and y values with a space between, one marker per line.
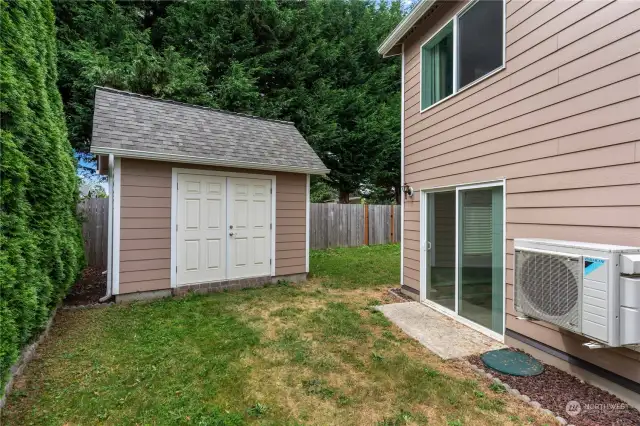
pixel 457 89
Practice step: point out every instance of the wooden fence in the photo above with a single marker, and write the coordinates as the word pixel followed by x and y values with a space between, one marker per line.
pixel 349 225
pixel 332 225
pixel 95 227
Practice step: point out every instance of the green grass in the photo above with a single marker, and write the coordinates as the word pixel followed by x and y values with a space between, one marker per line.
pixel 282 355
pixel 357 266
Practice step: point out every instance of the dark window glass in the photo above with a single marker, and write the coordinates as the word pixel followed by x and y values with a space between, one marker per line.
pixel 437 67
pixel 479 40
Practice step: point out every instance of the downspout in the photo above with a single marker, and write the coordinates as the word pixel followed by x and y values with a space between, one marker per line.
pixel 110 232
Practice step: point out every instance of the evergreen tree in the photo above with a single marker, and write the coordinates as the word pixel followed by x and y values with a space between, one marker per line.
pixel 312 62
pixel 41 249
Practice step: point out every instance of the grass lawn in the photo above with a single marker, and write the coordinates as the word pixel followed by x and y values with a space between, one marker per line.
pixel 315 353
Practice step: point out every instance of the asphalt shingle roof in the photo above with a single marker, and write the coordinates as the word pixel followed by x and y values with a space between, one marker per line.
pixel 127 122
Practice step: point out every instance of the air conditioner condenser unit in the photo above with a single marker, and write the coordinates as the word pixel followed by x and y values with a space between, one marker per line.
pixel 589 289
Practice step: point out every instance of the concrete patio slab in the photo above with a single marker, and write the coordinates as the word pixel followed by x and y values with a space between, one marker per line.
pixel 440 334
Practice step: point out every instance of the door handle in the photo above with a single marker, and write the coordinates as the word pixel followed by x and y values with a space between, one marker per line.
pixel 428 245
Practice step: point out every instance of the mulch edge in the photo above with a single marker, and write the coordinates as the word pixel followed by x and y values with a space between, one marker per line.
pixel 396 292
pixel 25 357
pixel 515 392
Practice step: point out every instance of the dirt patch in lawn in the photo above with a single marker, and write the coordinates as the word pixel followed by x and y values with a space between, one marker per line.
pixel 554 388
pixel 88 290
pixel 399 296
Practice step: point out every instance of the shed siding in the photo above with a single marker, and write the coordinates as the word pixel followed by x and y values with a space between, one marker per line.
pixel 145 223
pixel 561 123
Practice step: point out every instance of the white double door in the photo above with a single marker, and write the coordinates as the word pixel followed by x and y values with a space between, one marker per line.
pixel 223 228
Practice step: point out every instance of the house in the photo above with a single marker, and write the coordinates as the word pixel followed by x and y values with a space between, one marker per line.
pixel 520 119
pixel 200 199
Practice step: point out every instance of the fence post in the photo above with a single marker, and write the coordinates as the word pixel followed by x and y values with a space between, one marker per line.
pixel 392 223
pixel 366 224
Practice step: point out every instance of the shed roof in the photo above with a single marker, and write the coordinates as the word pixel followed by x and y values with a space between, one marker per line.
pixel 131 125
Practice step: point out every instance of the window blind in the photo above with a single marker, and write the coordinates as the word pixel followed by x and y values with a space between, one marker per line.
pixel 476 223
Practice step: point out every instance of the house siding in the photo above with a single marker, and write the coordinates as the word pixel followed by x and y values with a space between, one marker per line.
pixel 145 223
pixel 561 123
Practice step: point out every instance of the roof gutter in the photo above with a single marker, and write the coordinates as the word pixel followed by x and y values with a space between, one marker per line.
pixel 403 27
pixel 191 159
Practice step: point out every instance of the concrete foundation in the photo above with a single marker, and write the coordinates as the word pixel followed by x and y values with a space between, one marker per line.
pixel 142 296
pixel 212 287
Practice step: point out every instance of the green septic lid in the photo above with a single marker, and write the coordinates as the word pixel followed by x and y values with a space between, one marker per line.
pixel 512 362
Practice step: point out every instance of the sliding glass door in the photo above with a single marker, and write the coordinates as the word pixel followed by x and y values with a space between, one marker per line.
pixel 480 256
pixel 441 249
pixel 464 252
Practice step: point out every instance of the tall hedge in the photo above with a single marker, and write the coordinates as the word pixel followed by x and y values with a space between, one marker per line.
pixel 40 240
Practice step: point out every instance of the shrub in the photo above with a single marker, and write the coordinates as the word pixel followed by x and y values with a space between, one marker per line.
pixel 41 250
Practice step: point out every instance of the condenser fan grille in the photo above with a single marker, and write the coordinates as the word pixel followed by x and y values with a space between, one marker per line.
pixel 548 287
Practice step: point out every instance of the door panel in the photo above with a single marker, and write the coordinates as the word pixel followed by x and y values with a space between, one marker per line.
pixel 480 257
pixel 201 251
pixel 441 237
pixel 249 227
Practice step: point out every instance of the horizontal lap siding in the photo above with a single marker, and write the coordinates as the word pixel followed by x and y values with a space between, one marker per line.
pixel 561 123
pixel 145 223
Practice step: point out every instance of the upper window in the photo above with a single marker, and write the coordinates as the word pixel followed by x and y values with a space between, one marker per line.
pixel 469 47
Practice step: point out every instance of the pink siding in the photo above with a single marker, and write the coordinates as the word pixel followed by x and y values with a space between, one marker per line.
pixel 561 123
pixel 145 223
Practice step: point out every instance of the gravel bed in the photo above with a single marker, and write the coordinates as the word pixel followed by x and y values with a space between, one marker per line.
pixel 554 389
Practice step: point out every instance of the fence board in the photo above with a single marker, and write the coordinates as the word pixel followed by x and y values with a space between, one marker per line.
pixel 331 225
pixel 95 218
pixel 342 225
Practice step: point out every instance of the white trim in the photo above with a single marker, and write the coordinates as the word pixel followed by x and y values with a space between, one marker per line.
pixel 227 239
pixel 480 185
pixel 424 211
pixel 110 173
pixel 452 187
pixel 404 26
pixel 192 159
pixel 402 196
pixel 174 228
pixel 456 288
pixel 307 222
pixel 457 89
pixel 423 252
pixel 115 269
pixel 175 171
pixel 223 173
pixel 456 48
pixel 273 224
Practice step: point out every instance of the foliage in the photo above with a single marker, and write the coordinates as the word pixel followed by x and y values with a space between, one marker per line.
pixel 321 192
pixel 312 62
pixel 40 242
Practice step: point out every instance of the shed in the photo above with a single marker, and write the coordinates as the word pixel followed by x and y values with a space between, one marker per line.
pixel 200 199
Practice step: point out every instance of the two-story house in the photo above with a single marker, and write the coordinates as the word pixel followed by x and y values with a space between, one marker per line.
pixel 520 119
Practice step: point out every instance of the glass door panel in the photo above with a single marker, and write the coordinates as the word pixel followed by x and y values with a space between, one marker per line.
pixel 480 256
pixel 441 248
